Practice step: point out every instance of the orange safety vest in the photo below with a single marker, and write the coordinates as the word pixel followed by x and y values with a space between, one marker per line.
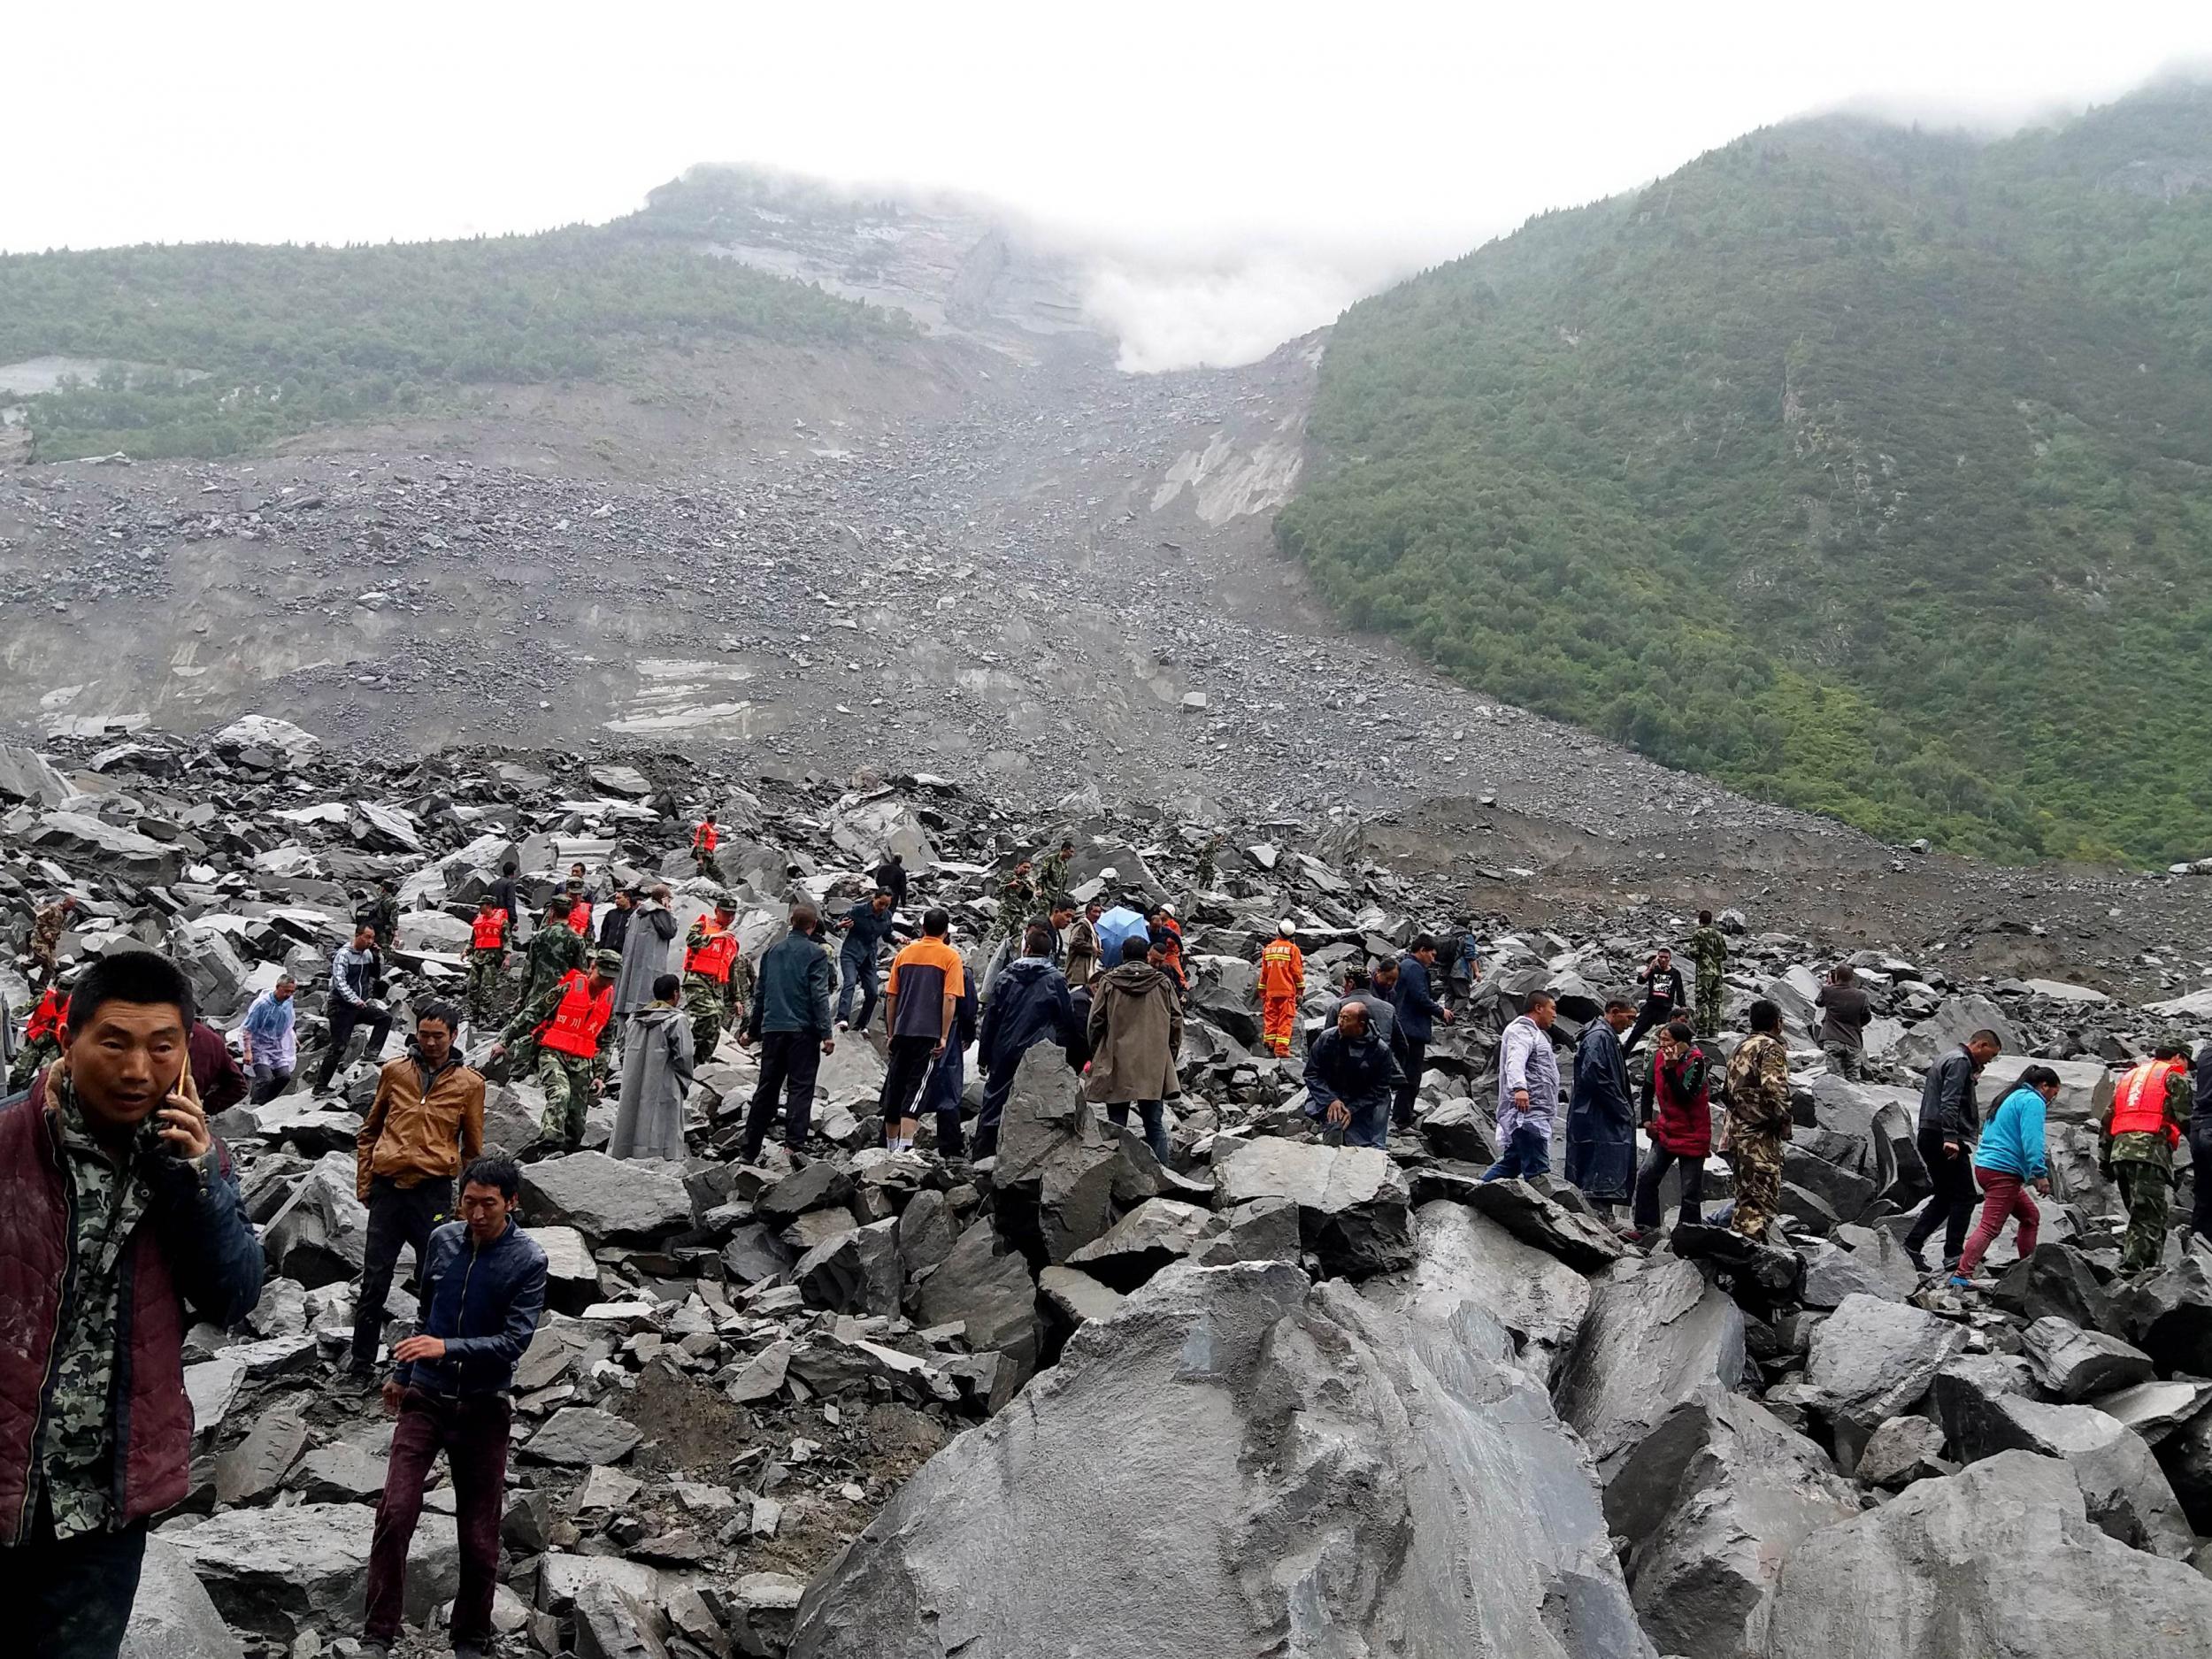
pixel 2138 1105
pixel 490 931
pixel 714 955
pixel 576 1024
pixel 580 918
pixel 705 839
pixel 46 1017
pixel 1282 969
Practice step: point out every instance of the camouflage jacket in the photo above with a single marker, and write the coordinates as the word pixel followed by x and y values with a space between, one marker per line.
pixel 46 932
pixel 553 951
pixel 1759 1086
pixel 2149 1145
pixel 1709 951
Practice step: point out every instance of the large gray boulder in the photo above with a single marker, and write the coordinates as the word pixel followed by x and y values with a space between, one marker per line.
pixel 320 1236
pixel 1870 1360
pixel 985 1287
pixel 1353 1205
pixel 1657 1335
pixel 1958 1018
pixel 278 1570
pixel 2000 1559
pixel 1531 1215
pixel 28 776
pixel 1532 1293
pixel 1059 1165
pixel 126 853
pixel 2077 1364
pixel 172 1617
pixel 1316 1472
pixel 1711 1500
pixel 607 1198
pixel 2169 1316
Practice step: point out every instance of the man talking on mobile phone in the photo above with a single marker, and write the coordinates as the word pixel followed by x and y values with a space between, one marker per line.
pixel 119 1213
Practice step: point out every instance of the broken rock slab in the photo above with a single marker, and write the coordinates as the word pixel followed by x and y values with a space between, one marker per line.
pixel 1353 1205
pixel 2169 1315
pixel 607 1198
pixel 173 1616
pixel 1530 1291
pixel 1657 1334
pixel 1872 1360
pixel 1294 1435
pixel 2077 1364
pixel 278 1570
pixel 2001 1558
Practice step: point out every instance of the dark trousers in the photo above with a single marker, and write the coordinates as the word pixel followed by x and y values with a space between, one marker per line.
pixel 472 1431
pixel 2200 1210
pixel 903 1075
pixel 1656 1163
pixel 268 1082
pixel 947 1082
pixel 1649 1015
pixel 789 1062
pixel 1952 1203
pixel 1527 1154
pixel 1412 1058
pixel 856 971
pixel 397 1216
pixel 70 1598
pixel 343 1017
pixel 1149 1112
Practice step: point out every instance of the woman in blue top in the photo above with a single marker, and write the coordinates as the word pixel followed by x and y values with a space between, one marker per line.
pixel 2008 1161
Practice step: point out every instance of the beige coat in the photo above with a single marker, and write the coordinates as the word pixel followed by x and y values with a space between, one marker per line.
pixel 1136 1031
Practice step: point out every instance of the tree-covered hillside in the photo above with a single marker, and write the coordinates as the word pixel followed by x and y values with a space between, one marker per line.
pixel 241 344
pixel 1861 468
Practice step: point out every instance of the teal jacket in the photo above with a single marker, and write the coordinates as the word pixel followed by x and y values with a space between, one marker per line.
pixel 2012 1143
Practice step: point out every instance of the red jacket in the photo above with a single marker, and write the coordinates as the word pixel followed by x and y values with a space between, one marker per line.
pixel 193 1246
pixel 1683 1122
pixel 215 1073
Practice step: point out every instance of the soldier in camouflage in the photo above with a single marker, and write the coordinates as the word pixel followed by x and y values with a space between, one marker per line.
pixel 46 931
pixel 571 1081
pixel 2145 1121
pixel 1207 854
pixel 1758 1120
pixel 711 977
pixel 1052 879
pixel 553 949
pixel 1017 897
pixel 41 1038
pixel 487 956
pixel 1709 951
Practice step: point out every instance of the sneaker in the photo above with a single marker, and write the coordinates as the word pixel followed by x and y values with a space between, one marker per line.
pixel 843 1026
pixel 1919 1262
pixel 1959 1281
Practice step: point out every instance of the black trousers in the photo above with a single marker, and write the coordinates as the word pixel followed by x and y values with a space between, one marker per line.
pixel 2201 1173
pixel 343 1017
pixel 903 1075
pixel 70 1598
pixel 1657 1162
pixel 1952 1203
pixel 397 1216
pixel 1649 1015
pixel 789 1062
pixel 1412 1058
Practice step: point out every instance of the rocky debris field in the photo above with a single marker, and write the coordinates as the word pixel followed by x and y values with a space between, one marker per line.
pixel 1275 1396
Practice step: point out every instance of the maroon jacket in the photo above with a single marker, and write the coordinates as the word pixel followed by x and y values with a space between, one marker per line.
pixel 194 1245
pixel 1683 1123
pixel 215 1073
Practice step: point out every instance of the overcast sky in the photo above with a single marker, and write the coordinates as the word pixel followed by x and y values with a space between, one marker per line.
pixel 1304 152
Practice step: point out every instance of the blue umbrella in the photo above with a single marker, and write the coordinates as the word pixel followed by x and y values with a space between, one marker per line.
pixel 1119 924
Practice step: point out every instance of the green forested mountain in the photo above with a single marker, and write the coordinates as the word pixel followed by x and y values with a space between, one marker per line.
pixel 1862 468
pixel 247 343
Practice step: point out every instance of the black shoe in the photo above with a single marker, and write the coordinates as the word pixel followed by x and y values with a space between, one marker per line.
pixel 1919 1262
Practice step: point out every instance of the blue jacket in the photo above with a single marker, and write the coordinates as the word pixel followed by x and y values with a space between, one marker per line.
pixel 1029 1005
pixel 791 989
pixel 2012 1142
pixel 1416 1007
pixel 867 933
pixel 1360 1074
pixel 484 1302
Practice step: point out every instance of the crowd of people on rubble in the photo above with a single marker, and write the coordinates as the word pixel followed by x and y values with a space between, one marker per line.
pixel 120 1216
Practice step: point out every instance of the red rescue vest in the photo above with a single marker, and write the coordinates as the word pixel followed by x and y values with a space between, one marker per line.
pixel 576 1024
pixel 714 955
pixel 46 1017
pixel 705 839
pixel 490 931
pixel 2138 1105
pixel 580 919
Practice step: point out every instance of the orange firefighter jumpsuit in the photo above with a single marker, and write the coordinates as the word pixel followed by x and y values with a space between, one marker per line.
pixel 1282 980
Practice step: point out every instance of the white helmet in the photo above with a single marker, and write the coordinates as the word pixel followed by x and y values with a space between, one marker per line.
pixel 1285 928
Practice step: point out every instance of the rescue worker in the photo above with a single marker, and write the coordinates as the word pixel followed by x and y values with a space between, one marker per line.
pixel 704 840
pixel 46 931
pixel 573 1026
pixel 2135 1148
pixel 1017 897
pixel 710 953
pixel 1282 981
pixel 380 910
pixel 1209 851
pixel 488 955
pixel 1167 947
pixel 1709 951
pixel 576 900
pixel 41 1038
pixel 1758 1120
pixel 554 950
pixel 1054 874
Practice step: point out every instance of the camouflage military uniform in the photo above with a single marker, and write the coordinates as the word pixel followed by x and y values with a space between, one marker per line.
pixel 46 932
pixel 1711 952
pixel 708 1004
pixel 1206 854
pixel 552 951
pixel 488 966
pixel 1758 1123
pixel 1017 899
pixel 2142 1163
pixel 31 1058
pixel 1052 879
pixel 77 1465
pixel 571 1081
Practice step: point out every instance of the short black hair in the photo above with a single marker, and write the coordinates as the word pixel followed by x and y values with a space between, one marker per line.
pixel 1036 940
pixel 935 921
pixel 1388 964
pixel 1422 941
pixel 439 1009
pixel 1987 1036
pixel 1765 1016
pixel 1065 901
pixel 504 1173
pixel 1357 978
pixel 1134 948
pixel 130 976
pixel 1681 1030
pixel 1704 918
pixel 880 892
pixel 665 987
pixel 2171 1050
pixel 1620 1003
pixel 508 868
